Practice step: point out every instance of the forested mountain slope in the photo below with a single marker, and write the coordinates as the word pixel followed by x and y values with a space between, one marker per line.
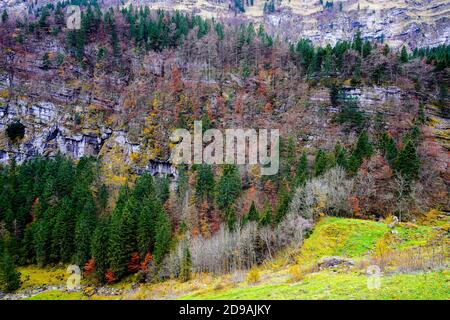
pixel 416 23
pixel 85 119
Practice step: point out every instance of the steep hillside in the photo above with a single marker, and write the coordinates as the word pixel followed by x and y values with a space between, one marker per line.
pixel 87 173
pixel 416 23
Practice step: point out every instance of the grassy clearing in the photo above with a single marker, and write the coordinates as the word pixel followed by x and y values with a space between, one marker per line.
pixel 411 235
pixel 33 276
pixel 328 285
pixel 354 238
pixel 342 237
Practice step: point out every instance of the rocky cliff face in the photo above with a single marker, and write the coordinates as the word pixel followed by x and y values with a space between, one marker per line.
pixel 51 129
pixel 398 22
pixel 48 132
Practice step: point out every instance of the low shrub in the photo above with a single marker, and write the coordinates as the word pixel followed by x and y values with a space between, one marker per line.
pixel 253 276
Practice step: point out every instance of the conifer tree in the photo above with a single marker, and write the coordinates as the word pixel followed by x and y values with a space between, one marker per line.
pixel 266 217
pixel 367 49
pixel 5 16
pixel 353 164
pixel 144 188
pixel 389 148
pixel 162 237
pixel 363 150
pixel 99 248
pixel 229 186
pixel 320 163
pixel 404 55
pixel 421 118
pixel 357 42
pixel 122 239
pixel 28 252
pixel 9 277
pixel 163 189
pixel 63 232
pixel 302 173
pixel 146 226
pixel 83 232
pixel 284 199
pixel 204 188
pixel 230 217
pixel 327 63
pixel 408 162
pixel 42 241
pixel 186 265
pixel 59 16
pixel 363 146
pixel 340 156
pixel 290 157
pixel 103 197
pixel 351 115
pixel 253 214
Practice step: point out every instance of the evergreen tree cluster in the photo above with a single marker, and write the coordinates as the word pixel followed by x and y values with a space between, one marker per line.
pixel 52 212
pixel 438 56
pixel 405 161
pixel 9 276
pixel 228 189
pixel 328 60
pixel 160 30
pixel 43 204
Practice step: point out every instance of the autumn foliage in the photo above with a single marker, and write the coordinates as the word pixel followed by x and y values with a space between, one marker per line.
pixel 144 264
pixel 89 267
pixel 110 276
pixel 134 264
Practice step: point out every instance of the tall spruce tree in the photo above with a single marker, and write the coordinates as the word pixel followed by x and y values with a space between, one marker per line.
pixel 408 162
pixel 163 189
pixel 266 217
pixel 42 241
pixel 99 248
pixel 302 173
pixel 63 243
pixel 146 226
pixel 389 148
pixel 321 163
pixel 230 217
pixel 186 265
pixel 122 239
pixel 340 156
pixel 363 146
pixel 9 277
pixel 229 186
pixel 363 150
pixel 83 232
pixel 284 199
pixel 163 236
pixel 204 187
pixel 253 214
pixel 403 55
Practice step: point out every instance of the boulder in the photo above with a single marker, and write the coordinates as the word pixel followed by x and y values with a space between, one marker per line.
pixel 333 262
